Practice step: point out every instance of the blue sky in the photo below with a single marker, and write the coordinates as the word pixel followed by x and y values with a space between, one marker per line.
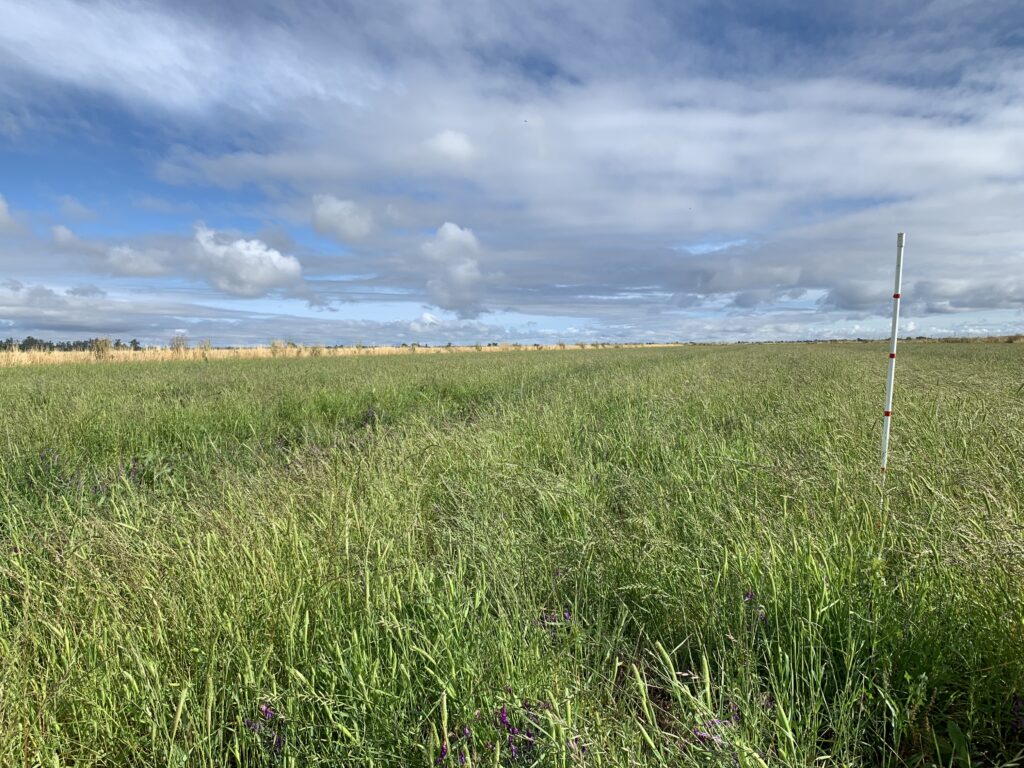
pixel 393 172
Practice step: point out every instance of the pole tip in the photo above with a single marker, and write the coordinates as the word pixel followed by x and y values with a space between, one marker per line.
pixel 901 238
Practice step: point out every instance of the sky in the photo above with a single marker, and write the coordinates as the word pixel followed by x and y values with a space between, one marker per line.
pixel 385 172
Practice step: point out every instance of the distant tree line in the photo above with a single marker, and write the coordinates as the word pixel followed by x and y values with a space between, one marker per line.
pixel 32 344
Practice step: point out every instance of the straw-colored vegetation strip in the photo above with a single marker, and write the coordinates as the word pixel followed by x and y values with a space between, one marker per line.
pixel 605 558
pixel 278 350
pixel 104 352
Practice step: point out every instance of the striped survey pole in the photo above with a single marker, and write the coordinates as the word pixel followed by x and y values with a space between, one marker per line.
pixel 890 382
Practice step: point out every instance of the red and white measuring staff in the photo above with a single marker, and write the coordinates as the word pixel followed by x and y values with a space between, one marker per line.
pixel 887 418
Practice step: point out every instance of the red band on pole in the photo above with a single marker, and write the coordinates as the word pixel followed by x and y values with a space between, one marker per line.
pixel 892 355
pixel 887 413
pixel 897 295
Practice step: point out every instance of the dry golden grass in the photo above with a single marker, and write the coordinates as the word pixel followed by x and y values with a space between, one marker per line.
pixel 9 358
pixel 106 354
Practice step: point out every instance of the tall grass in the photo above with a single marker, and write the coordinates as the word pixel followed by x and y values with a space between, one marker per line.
pixel 180 350
pixel 617 558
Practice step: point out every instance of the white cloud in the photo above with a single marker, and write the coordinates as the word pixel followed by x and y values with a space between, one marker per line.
pixel 146 55
pixel 453 145
pixel 7 222
pixel 343 219
pixel 247 268
pixel 127 260
pixel 425 323
pixel 453 257
pixel 119 259
pixel 237 266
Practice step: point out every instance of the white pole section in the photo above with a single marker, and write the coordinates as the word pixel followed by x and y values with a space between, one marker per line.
pixel 890 382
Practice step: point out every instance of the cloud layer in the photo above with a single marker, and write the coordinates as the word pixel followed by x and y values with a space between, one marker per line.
pixel 628 170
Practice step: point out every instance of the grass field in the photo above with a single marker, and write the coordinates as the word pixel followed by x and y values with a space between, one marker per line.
pixel 603 557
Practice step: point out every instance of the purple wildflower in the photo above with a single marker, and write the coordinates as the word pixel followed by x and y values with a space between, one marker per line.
pixel 704 737
pixel 267 712
pixel 716 723
pixel 503 717
pixel 462 757
pixel 749 596
pixel 567 615
pixel 254 725
pixel 466 732
pixel 278 743
pixel 444 753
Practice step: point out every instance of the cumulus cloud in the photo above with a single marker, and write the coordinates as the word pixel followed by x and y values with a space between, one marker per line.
pixel 7 222
pixel 453 145
pixel 247 268
pixel 343 219
pixel 453 257
pixel 426 322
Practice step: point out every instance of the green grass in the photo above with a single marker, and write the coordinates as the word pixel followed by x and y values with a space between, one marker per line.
pixel 384 551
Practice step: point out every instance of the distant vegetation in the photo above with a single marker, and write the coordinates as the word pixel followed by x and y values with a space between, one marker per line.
pixel 31 350
pixel 677 556
pixel 32 344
